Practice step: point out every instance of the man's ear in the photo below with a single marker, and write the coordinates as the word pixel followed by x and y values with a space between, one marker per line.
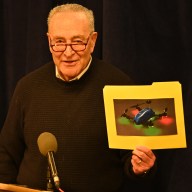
pixel 48 36
pixel 49 41
pixel 93 40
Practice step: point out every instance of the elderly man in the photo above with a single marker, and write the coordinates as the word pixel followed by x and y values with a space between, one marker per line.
pixel 65 97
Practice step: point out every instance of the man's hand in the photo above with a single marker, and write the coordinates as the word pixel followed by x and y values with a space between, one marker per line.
pixel 142 160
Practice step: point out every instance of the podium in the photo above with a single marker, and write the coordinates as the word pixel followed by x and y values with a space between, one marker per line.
pixel 16 188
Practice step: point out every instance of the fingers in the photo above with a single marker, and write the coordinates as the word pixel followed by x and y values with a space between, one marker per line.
pixel 143 159
pixel 144 153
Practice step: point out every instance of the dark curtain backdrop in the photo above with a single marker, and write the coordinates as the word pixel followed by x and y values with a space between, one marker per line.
pixel 148 39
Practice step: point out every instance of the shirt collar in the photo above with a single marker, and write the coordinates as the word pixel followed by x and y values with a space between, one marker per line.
pixel 77 77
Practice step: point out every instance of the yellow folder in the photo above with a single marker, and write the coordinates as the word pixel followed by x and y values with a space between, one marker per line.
pixel 149 115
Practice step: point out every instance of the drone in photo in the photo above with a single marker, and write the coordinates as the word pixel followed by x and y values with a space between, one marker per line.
pixel 145 116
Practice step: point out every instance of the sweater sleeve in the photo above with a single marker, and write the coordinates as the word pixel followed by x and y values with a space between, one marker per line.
pixel 11 141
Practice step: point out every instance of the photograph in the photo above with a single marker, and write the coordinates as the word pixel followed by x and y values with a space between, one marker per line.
pixel 138 117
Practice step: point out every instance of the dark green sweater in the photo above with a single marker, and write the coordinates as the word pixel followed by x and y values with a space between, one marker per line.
pixel 74 113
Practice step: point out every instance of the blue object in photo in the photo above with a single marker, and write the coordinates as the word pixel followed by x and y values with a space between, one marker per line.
pixel 143 116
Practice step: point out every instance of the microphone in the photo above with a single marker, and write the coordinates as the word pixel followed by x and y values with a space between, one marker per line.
pixel 47 144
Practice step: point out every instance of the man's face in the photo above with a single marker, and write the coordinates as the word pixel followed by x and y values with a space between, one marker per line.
pixel 71 28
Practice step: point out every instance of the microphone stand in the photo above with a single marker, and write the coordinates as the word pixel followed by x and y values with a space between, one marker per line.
pixel 49 180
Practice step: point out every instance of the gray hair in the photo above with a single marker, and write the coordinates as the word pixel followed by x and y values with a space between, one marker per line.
pixel 74 8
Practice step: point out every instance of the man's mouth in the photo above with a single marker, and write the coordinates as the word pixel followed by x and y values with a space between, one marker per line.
pixel 69 63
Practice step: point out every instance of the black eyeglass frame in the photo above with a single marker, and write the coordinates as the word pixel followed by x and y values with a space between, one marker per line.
pixel 71 45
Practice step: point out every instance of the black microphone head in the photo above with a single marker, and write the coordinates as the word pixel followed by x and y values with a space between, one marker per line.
pixel 47 142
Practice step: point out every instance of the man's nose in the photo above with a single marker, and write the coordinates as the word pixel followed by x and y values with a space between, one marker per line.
pixel 68 51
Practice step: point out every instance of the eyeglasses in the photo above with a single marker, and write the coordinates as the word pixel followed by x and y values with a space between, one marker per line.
pixel 61 47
